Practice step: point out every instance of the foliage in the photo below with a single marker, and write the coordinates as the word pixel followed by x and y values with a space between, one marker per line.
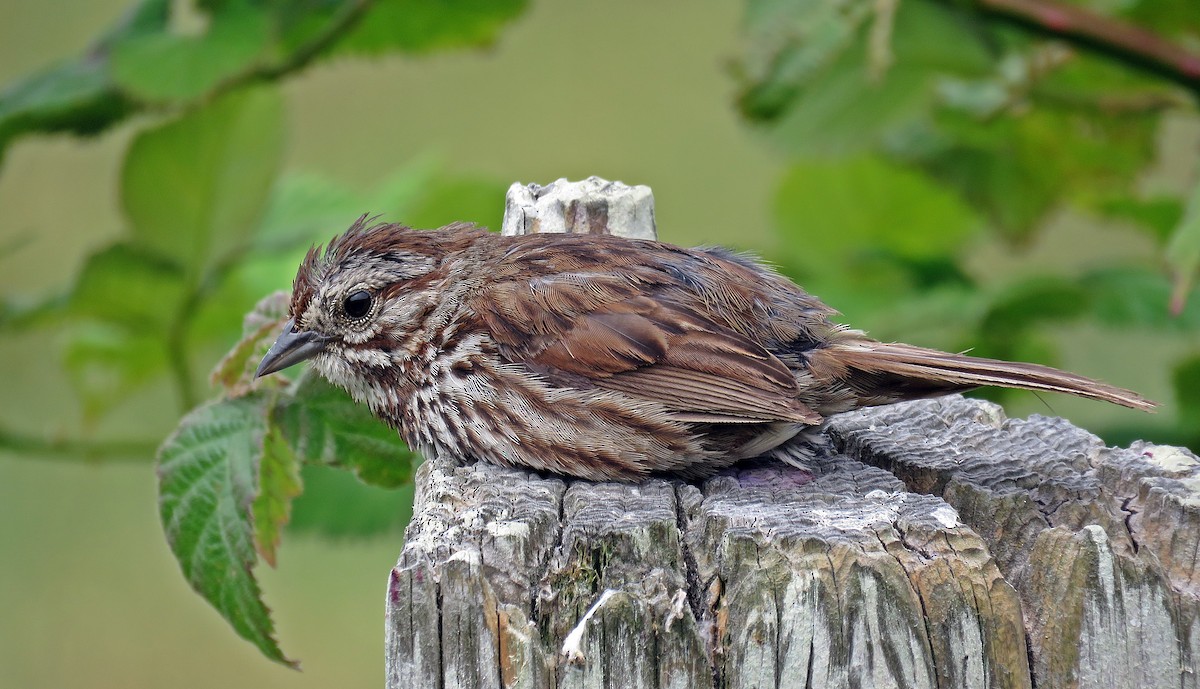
pixel 920 135
pixel 211 225
pixel 923 133
pixel 230 471
pixel 216 469
pixel 152 60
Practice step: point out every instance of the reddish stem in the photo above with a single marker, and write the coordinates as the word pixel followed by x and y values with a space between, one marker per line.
pixel 1125 41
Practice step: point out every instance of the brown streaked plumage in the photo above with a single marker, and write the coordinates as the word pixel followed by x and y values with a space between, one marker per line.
pixel 597 356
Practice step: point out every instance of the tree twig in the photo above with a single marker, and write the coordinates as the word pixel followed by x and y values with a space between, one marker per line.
pixel 178 363
pixel 299 58
pixel 76 449
pixel 1127 42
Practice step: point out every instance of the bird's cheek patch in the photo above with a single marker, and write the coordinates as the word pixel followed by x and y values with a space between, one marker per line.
pixel 332 365
pixel 375 358
pixel 358 337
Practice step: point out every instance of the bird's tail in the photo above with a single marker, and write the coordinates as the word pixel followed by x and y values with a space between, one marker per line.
pixel 880 373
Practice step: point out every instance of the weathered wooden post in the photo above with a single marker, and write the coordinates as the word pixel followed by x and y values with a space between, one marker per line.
pixel 946 546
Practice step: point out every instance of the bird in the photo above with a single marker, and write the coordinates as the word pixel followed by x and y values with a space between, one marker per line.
pixel 600 357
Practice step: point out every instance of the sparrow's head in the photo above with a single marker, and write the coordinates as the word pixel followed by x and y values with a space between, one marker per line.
pixel 353 302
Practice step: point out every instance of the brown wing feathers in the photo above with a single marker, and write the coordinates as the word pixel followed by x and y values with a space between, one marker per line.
pixel 670 325
pixel 658 354
pixel 626 334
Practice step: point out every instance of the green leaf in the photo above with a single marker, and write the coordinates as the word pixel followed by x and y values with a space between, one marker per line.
pixel 127 285
pixel 793 43
pixel 1066 128
pixel 335 504
pixel 235 371
pixel 195 188
pixel 171 67
pixel 1015 126
pixel 1022 306
pixel 325 426
pixel 269 310
pixel 836 212
pixel 997 168
pixel 1131 297
pixel 1169 17
pixel 308 208
pixel 124 300
pixel 107 362
pixel 1016 167
pixel 446 199
pixel 407 188
pixel 1183 252
pixel 76 96
pixel 305 208
pixel 208 481
pixel 278 484
pixel 214 324
pixel 1009 329
pixel 421 26
pixel 24 313
pixel 865 234
pixel 1107 87
pixel 1160 215
pixel 944 317
pixel 1185 379
pixel 147 60
pixel 851 106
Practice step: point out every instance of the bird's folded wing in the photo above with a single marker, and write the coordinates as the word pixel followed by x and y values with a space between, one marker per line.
pixel 602 334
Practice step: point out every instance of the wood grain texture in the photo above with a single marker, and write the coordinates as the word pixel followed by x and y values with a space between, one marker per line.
pixel 1099 542
pixel 764 576
pixel 946 546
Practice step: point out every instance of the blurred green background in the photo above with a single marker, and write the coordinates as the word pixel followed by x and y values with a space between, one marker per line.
pixel 939 178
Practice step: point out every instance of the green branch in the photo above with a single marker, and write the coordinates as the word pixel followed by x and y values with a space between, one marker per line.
pixel 81 96
pixel 177 360
pixel 352 12
pixel 76 449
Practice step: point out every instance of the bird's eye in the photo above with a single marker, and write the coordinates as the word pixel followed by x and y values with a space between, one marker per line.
pixel 357 304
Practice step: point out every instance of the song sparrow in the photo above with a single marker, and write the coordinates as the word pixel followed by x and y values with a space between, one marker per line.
pixel 597 356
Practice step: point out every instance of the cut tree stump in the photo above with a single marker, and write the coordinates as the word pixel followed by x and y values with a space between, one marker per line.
pixel 941 545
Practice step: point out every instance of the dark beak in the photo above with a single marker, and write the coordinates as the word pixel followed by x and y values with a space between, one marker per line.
pixel 291 348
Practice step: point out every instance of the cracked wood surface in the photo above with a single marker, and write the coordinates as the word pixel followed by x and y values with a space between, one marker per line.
pixel 1100 543
pixel 944 546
